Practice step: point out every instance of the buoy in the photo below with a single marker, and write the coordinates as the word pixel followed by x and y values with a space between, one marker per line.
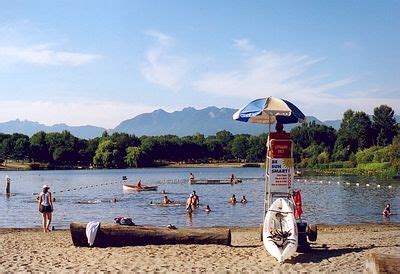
pixel 389 186
pixel 357 184
pixel 305 181
pixel 347 183
pixel 378 186
pixel 338 183
pixel 367 184
pixel 329 182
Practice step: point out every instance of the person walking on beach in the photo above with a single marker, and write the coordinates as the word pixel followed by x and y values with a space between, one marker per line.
pixel 46 207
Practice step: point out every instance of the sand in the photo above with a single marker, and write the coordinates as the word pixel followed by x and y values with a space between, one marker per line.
pixel 342 248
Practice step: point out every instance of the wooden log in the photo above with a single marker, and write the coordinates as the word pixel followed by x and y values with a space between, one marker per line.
pixel 120 235
pixel 382 263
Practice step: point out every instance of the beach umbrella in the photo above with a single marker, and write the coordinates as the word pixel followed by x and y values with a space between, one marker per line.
pixel 269 111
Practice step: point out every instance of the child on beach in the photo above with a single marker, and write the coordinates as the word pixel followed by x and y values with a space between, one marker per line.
pixel 46 207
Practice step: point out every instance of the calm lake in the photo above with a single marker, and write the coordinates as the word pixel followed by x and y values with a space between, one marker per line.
pixel 324 199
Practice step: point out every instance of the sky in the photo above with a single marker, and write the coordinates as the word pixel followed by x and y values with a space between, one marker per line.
pixel 102 62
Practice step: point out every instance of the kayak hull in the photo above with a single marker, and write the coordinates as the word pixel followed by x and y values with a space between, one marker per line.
pixel 142 188
pixel 280 233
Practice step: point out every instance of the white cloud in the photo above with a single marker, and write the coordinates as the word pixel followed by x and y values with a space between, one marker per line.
pixel 266 73
pixel 22 42
pixel 99 113
pixel 243 44
pixel 161 67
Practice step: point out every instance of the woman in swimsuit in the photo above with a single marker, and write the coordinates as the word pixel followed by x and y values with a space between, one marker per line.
pixel 46 207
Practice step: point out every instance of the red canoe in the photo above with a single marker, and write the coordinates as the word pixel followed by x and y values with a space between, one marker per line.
pixel 142 188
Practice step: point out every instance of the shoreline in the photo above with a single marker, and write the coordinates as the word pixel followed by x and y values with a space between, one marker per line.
pixel 344 247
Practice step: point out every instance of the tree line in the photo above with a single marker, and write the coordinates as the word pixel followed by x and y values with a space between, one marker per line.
pixel 314 145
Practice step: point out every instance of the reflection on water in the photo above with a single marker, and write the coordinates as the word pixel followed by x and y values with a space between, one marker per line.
pixel 92 195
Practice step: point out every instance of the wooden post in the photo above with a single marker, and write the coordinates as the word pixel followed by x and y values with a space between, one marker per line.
pixel 120 235
pixel 8 182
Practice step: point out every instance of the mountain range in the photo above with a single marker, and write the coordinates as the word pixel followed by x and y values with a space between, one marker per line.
pixel 188 121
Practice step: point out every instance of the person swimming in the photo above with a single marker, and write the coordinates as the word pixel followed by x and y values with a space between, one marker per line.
pixel 139 184
pixel 166 200
pixel 386 212
pixel 207 209
pixel 244 200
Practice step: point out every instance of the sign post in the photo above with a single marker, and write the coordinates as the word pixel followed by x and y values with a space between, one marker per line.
pixel 279 168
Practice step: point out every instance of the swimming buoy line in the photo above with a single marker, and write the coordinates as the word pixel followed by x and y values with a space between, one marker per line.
pixel 73 189
pixel 369 185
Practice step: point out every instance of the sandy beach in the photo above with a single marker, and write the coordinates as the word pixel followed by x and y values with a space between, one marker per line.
pixel 338 248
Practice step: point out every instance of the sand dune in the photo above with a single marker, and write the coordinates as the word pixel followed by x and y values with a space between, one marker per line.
pixel 338 248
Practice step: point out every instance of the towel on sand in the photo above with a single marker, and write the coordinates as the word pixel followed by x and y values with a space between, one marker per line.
pixel 91 230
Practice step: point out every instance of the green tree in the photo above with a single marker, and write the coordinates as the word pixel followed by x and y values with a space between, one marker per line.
pixel 40 148
pixel 240 146
pixel 132 156
pixel 384 125
pixel 22 148
pixel 106 154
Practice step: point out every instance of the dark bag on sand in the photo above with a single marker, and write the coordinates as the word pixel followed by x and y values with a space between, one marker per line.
pixel 124 221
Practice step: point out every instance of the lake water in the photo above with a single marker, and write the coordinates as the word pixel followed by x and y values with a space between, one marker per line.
pixel 324 200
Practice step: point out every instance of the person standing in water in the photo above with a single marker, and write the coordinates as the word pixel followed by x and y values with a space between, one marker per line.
pixel 46 207
pixel 386 211
pixel 195 199
pixel 191 177
pixel 233 199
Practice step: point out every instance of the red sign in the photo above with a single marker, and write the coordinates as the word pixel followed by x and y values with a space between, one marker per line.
pixel 280 149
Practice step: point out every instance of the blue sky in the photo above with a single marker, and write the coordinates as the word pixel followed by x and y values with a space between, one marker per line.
pixel 101 62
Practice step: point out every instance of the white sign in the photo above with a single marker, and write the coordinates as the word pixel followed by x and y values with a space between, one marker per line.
pixel 281 172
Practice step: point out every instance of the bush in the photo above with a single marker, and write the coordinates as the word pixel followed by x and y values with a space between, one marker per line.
pixel 382 155
pixel 366 155
pixel 323 157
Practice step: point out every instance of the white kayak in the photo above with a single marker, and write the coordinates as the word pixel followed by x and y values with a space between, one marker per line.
pixel 280 230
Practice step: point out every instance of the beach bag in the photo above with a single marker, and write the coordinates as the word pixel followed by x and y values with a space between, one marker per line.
pixel 124 221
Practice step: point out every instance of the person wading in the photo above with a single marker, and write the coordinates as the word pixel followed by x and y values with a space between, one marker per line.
pixel 46 207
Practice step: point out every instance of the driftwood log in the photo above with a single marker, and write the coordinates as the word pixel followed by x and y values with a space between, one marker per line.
pixel 120 235
pixel 382 263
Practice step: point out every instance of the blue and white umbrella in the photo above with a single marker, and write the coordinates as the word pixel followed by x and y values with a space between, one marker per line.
pixel 269 111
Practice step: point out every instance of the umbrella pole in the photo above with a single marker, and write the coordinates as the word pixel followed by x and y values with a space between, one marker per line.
pixel 266 181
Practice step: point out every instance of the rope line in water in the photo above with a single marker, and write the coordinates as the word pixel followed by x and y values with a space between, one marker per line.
pixel 373 185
